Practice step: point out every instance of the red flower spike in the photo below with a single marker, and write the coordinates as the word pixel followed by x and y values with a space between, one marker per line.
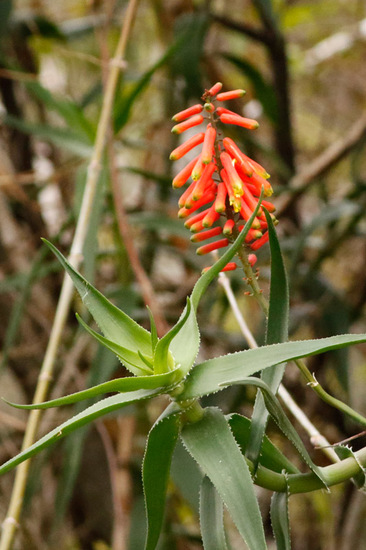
pixel 182 115
pixel 260 242
pixel 215 89
pixel 182 177
pixel 247 123
pixel 239 183
pixel 204 235
pixel 232 175
pixel 209 107
pixel 233 94
pixel 235 153
pixel 210 217
pixel 180 151
pixel 228 227
pixel 206 248
pixel 197 169
pixel 252 258
pixel 220 202
pixel 190 123
pixel 184 212
pixel 203 181
pixel 208 145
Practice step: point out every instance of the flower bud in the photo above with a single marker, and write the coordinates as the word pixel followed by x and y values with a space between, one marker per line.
pixel 205 249
pixel 228 227
pixel 215 89
pixel 247 123
pixel 183 176
pixel 182 115
pixel 190 123
pixel 233 94
pixel 208 145
pixel 180 151
pixel 205 235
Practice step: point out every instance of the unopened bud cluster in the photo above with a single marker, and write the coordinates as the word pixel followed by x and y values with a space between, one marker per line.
pixel 224 183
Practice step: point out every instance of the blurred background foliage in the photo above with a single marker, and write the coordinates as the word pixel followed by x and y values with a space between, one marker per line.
pixel 302 63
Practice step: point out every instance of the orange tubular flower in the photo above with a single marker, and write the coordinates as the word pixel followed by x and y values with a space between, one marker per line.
pixel 224 184
pixel 183 149
pixel 208 145
pixel 247 123
pixel 189 123
pixel 195 109
pixel 183 176
pixel 233 94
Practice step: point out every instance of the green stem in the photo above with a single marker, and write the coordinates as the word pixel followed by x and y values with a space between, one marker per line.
pixel 253 282
pixel 305 483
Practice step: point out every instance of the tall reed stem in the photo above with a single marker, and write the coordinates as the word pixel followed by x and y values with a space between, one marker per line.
pixel 46 374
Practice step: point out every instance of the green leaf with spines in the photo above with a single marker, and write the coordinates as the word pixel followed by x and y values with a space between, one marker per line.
pixel 270 457
pixel 153 330
pixel 280 520
pixel 132 360
pixel 277 332
pixel 163 381
pixel 115 325
pixel 211 517
pixel 210 376
pixel 159 450
pixel 185 345
pixel 103 407
pixel 213 446
pixel 163 358
pixel 275 410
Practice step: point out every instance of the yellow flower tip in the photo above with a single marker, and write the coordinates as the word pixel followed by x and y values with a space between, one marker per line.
pixel 268 192
pixel 175 130
pixel 172 157
pixel 238 191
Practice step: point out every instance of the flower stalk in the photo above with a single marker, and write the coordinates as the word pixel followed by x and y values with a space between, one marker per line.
pixel 223 194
